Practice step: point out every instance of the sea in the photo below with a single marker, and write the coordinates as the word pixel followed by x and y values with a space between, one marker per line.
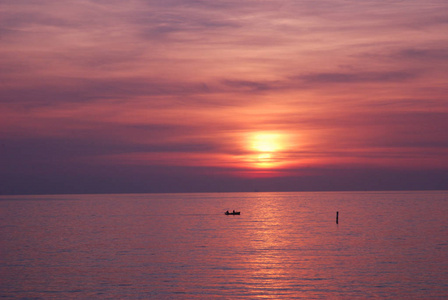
pixel 283 245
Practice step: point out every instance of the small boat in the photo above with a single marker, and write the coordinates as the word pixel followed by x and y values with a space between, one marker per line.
pixel 232 213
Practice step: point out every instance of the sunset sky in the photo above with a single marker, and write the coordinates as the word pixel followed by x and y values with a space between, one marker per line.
pixel 116 96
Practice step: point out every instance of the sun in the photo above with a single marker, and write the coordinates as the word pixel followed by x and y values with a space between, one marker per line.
pixel 266 148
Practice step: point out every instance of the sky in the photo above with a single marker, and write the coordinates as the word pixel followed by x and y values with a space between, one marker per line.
pixel 143 96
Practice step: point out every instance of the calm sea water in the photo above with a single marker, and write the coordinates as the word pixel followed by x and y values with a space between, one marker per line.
pixel 391 245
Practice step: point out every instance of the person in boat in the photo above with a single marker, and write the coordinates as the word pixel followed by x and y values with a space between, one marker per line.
pixel 227 212
pixel 233 211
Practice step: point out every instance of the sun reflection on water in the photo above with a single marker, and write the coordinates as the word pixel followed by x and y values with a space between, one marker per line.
pixel 267 261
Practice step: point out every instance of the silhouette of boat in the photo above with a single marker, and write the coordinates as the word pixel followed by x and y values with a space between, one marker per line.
pixel 232 213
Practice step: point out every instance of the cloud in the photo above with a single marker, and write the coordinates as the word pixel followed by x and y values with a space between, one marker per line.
pixel 79 90
pixel 250 86
pixel 358 77
pixel 425 54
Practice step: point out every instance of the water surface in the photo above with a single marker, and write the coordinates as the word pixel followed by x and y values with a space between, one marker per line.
pixel 181 246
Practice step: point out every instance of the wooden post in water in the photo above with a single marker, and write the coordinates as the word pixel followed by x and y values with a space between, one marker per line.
pixel 337 217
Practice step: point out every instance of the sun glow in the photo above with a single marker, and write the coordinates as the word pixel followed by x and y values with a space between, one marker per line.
pixel 266 142
pixel 266 148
